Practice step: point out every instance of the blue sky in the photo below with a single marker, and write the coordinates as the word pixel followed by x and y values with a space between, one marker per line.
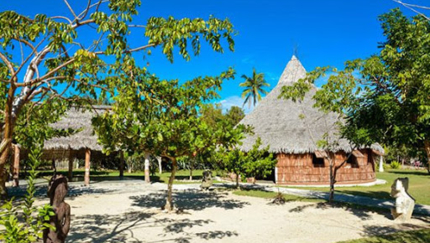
pixel 327 32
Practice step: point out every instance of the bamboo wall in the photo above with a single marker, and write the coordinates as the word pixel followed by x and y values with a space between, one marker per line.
pixel 298 169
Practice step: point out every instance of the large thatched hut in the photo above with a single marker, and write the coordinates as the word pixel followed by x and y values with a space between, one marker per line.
pixel 292 130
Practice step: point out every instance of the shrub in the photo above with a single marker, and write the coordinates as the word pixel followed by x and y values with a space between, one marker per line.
pixel 395 165
pixel 25 223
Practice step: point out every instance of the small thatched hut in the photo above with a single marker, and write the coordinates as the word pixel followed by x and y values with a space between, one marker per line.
pixel 80 145
pixel 292 129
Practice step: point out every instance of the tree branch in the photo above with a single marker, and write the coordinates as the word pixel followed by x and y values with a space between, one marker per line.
pixel 71 10
pixel 85 12
pixel 412 8
pixel 129 50
pixel 8 64
pixel 28 57
pixel 47 75
pixel 63 17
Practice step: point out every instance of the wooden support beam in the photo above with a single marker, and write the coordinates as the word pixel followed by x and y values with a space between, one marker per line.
pixel 70 157
pixel 87 166
pixel 15 170
pixel 121 164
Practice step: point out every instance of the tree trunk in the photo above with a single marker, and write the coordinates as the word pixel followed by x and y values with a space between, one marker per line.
pixel 237 181
pixel 191 173
pixel 160 166
pixel 15 169
pixel 427 148
pixel 147 178
pixel 332 181
pixel 87 166
pixel 121 164
pixel 5 145
pixel 3 173
pixel 169 201
pixel 3 191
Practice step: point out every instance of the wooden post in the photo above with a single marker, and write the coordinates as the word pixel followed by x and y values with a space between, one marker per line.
pixel 160 166
pixel 147 178
pixel 15 171
pixel 121 164
pixel 87 166
pixel 70 175
pixel 381 163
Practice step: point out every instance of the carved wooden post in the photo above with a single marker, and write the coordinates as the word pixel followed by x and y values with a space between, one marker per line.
pixel 15 171
pixel 87 166
pixel 57 191
pixel 70 175
pixel 121 164
pixel 147 178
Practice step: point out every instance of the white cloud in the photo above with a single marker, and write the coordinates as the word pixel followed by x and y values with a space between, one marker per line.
pixel 227 103
pixel 248 60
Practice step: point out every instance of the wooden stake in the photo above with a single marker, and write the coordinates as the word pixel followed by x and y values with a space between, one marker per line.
pixel 87 166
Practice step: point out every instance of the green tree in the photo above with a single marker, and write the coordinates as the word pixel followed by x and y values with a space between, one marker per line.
pixel 235 114
pixel 85 52
pixel 162 118
pixel 212 114
pixel 257 162
pixel 253 88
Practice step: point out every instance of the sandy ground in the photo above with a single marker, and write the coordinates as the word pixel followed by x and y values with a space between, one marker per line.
pixel 135 216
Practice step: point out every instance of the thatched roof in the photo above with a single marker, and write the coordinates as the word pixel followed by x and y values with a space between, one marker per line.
pixel 76 118
pixel 292 127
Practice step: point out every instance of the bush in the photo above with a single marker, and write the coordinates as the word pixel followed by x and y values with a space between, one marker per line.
pixel 395 165
pixel 24 223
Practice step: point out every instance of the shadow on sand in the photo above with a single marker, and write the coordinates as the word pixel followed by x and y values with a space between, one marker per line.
pixel 188 200
pixel 361 212
pixel 120 228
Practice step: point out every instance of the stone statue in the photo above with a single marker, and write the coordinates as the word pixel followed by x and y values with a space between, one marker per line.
pixel 57 191
pixel 206 180
pixel 404 205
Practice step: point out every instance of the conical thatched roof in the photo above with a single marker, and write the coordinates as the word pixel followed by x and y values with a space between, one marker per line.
pixel 76 118
pixel 288 126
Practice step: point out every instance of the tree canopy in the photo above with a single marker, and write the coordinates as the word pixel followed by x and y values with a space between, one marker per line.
pixel 86 53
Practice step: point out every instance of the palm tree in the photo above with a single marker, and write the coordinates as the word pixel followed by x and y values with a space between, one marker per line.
pixel 253 87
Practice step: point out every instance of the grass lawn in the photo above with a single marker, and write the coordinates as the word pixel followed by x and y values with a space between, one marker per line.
pixel 272 195
pixel 414 236
pixel 419 186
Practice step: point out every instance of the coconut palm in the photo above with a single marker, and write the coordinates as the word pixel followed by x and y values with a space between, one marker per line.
pixel 253 87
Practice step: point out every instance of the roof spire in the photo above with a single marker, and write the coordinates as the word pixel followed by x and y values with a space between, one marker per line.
pixel 292 72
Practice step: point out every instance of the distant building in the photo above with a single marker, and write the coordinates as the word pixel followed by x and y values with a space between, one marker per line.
pixel 292 129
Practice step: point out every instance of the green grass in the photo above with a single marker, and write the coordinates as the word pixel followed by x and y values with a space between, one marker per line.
pixel 181 177
pixel 414 236
pixel 419 181
pixel 271 195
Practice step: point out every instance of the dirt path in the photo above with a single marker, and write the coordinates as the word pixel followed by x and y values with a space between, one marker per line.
pixel 135 216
